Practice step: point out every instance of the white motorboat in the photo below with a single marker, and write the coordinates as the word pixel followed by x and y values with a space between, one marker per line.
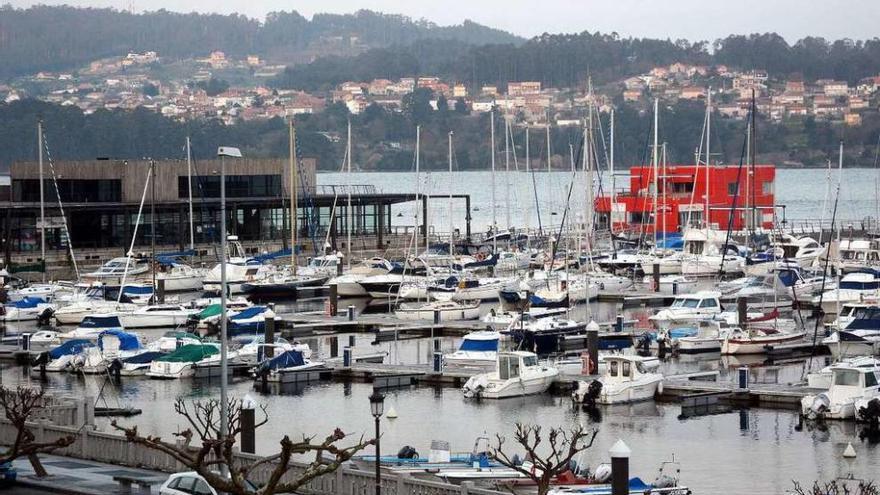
pixel 114 270
pixel 112 344
pixel 687 309
pixel 253 351
pixel 517 373
pixel 859 254
pixel 483 289
pixel 754 340
pixel 608 282
pixel 45 291
pixel 848 385
pixel 236 276
pixel 477 353
pixel 625 380
pixel 854 287
pixel 708 338
pixel 284 367
pixel 93 325
pixel 160 315
pixel 181 278
pixel 44 339
pixel 504 319
pixel 73 313
pixel 544 335
pixel 445 310
pixel 668 265
pixel 348 284
pixel 822 378
pixel 706 252
pixel 60 358
pixel 180 363
pixel 29 308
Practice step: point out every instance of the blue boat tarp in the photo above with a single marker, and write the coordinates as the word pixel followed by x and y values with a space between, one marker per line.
pixel 74 346
pixel 169 259
pixel 144 357
pixel 479 345
pixel 281 253
pixel 95 321
pixel 248 313
pixel 636 485
pixel 127 341
pixel 29 302
pixel 137 290
pixel 674 242
pixel 286 360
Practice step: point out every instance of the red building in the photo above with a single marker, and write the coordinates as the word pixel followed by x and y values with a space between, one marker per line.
pixel 681 198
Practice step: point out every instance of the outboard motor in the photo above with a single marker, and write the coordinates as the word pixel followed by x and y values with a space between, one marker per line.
pixel 603 473
pixel 821 404
pixel 407 452
pixel 45 316
pixel 40 359
pixel 115 369
pixel 587 393
pixel 870 413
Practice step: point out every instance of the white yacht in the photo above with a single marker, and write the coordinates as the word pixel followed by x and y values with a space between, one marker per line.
pixel 180 363
pixel 822 378
pixel 517 373
pixel 159 315
pixel 447 311
pixel 478 353
pixel 181 278
pixel 848 385
pixel 73 313
pixel 755 339
pixel 625 380
pixel 114 270
pixel 93 325
pixel 687 309
pixel 705 254
pixel 348 284
pixel 854 287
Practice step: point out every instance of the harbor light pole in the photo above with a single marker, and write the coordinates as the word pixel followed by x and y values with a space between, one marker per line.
pixel 377 407
pixel 223 152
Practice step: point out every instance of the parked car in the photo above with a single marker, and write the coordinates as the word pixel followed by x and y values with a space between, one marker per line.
pixel 191 483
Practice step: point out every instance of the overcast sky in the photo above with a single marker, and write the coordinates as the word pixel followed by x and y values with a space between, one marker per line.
pixel 691 19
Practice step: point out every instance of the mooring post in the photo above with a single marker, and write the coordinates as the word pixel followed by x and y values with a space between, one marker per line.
pixel 160 290
pixel 350 313
pixel 334 346
pixel 26 341
pixel 593 346
pixel 620 468
pixel 436 316
pixel 334 299
pixel 743 377
pixel 438 362
pixel 618 324
pixel 248 425
pixel 741 312
pixel 655 268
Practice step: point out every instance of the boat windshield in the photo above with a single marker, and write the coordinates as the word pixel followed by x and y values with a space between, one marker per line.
pixel 848 378
pixel 530 361
pixel 685 303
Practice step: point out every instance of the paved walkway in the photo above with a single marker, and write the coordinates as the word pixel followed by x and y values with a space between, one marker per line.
pixel 76 476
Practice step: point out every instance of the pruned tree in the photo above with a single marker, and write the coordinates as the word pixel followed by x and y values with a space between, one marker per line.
pixel 19 406
pixel 215 453
pixel 858 487
pixel 547 460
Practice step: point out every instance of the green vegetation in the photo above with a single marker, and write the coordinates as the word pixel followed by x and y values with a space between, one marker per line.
pixel 384 140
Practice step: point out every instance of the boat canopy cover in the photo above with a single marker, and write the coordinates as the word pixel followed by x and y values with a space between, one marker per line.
pixel 672 241
pixel 479 345
pixel 144 357
pixel 249 313
pixel 181 335
pixel 29 302
pixel 73 346
pixel 190 354
pixel 169 259
pixel 137 290
pixel 788 277
pixel 209 311
pixel 286 360
pixel 127 341
pixel 281 253
pixel 94 321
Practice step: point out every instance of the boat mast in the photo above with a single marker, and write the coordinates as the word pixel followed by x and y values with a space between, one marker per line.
pixel 152 225
pixel 528 171
pixel 189 179
pixel 348 216
pixel 708 131
pixel 451 228
pixel 418 189
pixel 664 194
pixel 613 180
pixel 42 202
pixel 294 200
pixel 507 172
pixel 492 155
pixel 655 164
pixel 839 270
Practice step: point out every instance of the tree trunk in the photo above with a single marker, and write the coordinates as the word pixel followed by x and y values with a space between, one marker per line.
pixel 39 470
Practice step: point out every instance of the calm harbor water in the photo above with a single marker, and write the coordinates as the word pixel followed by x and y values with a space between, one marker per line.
pixel 756 451
pixel 802 191
pixel 740 451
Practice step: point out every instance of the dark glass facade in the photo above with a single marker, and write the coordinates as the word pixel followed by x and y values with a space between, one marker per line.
pixel 237 186
pixel 70 190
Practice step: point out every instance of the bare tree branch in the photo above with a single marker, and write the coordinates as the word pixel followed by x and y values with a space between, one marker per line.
pixel 18 406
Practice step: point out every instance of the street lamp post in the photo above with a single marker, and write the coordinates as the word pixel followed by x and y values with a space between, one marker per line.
pixel 377 407
pixel 223 152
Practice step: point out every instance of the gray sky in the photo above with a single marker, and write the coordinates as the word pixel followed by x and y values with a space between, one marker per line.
pixel 691 19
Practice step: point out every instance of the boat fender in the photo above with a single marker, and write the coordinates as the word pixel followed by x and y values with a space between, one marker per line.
pixel 603 473
pixel 660 388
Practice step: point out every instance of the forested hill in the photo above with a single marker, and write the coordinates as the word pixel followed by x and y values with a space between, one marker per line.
pixel 52 38
pixel 566 60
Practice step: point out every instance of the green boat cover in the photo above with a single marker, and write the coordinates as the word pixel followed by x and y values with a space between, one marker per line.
pixel 212 310
pixel 190 354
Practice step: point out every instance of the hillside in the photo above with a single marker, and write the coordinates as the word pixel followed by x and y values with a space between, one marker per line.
pixel 52 38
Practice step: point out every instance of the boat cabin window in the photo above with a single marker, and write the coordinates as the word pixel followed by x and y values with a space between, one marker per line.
pixel 685 303
pixel 873 256
pixel 627 369
pixel 709 303
pixel 508 367
pixel 695 247
pixel 870 380
pixel 612 368
pixel 530 361
pixel 251 271
pixel 848 378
